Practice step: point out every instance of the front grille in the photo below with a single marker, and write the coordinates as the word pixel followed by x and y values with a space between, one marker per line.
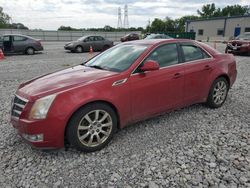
pixel 18 105
pixel 236 45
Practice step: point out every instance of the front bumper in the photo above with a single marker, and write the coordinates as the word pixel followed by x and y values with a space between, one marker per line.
pixel 49 136
pixel 69 47
pixel 238 49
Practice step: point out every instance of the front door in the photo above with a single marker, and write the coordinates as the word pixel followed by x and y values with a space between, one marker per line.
pixel 1 42
pixel 7 44
pixel 157 91
pixel 90 42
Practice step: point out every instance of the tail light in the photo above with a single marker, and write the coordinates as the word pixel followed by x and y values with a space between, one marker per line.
pixel 39 42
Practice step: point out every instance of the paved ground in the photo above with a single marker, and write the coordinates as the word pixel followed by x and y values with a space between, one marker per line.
pixel 192 147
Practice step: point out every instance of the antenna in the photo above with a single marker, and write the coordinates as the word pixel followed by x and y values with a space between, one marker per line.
pixel 119 24
pixel 126 24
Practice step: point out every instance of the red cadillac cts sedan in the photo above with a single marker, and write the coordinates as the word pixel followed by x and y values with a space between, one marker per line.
pixel 84 105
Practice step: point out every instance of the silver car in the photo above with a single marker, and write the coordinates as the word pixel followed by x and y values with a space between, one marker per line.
pixel 83 44
pixel 15 43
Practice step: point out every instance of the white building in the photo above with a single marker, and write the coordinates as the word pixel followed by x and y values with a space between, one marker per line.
pixel 220 28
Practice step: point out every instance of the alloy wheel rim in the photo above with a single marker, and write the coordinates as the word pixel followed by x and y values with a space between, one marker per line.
pixel 220 92
pixel 30 51
pixel 79 49
pixel 94 128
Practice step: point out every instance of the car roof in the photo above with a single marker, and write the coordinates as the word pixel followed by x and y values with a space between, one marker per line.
pixel 16 35
pixel 26 36
pixel 92 36
pixel 157 41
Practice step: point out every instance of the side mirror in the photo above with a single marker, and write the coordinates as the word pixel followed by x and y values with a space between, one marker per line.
pixel 150 65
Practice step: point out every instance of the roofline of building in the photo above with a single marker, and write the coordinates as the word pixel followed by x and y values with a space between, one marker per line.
pixel 218 18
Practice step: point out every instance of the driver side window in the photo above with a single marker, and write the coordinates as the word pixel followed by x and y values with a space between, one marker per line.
pixel 6 38
pixel 165 55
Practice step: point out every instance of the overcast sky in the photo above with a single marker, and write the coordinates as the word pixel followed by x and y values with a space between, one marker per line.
pixel 51 14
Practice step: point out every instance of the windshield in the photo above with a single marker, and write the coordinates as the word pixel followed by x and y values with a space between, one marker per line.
pixel 82 38
pixel 150 36
pixel 155 36
pixel 118 58
pixel 243 37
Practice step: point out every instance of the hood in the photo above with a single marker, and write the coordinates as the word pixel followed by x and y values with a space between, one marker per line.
pixel 72 42
pixel 239 41
pixel 62 80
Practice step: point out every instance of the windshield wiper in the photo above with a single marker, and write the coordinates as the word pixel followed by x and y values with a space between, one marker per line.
pixel 96 67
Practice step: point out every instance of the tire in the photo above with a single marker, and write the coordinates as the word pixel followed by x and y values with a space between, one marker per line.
pixel 84 130
pixel 226 50
pixel 105 47
pixel 218 93
pixel 30 51
pixel 79 49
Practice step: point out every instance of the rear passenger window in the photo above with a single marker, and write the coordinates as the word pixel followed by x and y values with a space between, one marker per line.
pixel 99 38
pixel 192 53
pixel 165 55
pixel 19 38
pixel 90 39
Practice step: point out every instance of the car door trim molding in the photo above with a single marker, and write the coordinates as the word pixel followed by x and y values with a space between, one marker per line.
pixel 179 63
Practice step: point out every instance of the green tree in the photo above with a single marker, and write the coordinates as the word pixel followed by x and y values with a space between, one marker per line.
pixel 4 19
pixel 170 25
pixel 235 10
pixel 208 11
pixel 182 21
pixel 157 26
pixel 66 28
pixel 18 26
pixel 108 28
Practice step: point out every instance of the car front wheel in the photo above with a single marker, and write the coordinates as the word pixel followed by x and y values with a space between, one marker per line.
pixel 92 127
pixel 218 93
pixel 79 49
pixel 226 50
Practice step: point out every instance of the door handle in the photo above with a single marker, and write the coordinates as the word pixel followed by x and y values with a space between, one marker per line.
pixel 177 75
pixel 207 67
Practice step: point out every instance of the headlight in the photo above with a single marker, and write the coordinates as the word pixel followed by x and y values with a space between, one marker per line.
pixel 245 45
pixel 70 45
pixel 41 107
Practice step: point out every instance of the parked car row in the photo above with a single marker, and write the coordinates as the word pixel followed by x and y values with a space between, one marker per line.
pixel 15 43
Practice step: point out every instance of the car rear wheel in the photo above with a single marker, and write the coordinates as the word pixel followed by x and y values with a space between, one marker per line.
pixel 92 127
pixel 79 49
pixel 30 51
pixel 218 93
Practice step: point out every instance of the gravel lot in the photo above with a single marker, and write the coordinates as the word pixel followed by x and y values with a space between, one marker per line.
pixel 191 147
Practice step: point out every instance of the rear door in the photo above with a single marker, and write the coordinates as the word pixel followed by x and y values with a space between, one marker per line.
pixel 99 42
pixel 157 91
pixel 19 43
pixel 198 65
